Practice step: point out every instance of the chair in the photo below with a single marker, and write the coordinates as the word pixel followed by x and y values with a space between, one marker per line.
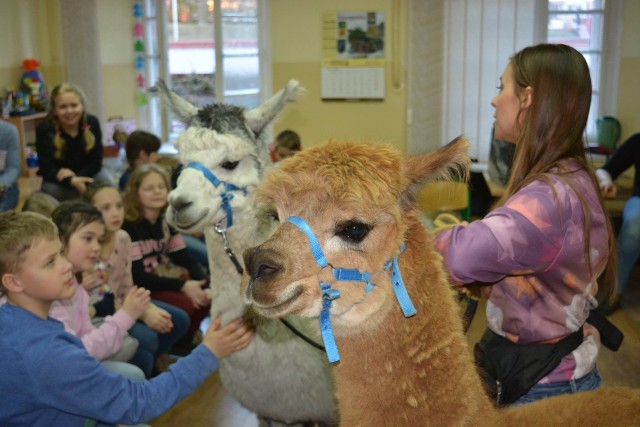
pixel 500 160
pixel 608 131
pixel 445 196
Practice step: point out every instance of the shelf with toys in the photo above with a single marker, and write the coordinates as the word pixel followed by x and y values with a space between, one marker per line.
pixel 25 108
pixel 26 127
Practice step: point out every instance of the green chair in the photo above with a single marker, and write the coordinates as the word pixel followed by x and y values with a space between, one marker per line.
pixel 608 131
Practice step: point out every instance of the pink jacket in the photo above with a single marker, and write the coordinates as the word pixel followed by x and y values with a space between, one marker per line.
pixel 100 342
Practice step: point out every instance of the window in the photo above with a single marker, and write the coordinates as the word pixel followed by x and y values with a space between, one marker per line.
pixel 185 54
pixel 481 36
pixel 580 24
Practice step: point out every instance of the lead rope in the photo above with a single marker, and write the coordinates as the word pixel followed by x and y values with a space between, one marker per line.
pixel 341 274
pixel 232 256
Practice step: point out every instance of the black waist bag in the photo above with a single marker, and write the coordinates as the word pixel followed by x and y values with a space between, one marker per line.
pixel 509 370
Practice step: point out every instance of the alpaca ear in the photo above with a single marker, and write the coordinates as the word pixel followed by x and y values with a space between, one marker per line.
pixel 180 106
pixel 261 116
pixel 444 164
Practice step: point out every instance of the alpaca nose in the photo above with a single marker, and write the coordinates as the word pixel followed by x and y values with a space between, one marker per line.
pixel 179 203
pixel 262 264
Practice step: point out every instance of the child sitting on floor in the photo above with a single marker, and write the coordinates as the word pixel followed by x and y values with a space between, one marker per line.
pixel 48 376
pixel 41 203
pixel 158 250
pixel 141 148
pixel 161 325
pixel 81 230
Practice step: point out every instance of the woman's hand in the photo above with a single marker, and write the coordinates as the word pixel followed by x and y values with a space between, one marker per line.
pixel 193 289
pixel 157 319
pixel 609 192
pixel 136 302
pixel 235 336
pixel 64 173
pixel 607 187
pixel 80 183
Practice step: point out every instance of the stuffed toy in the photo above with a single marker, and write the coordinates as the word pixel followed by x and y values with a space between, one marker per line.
pixel 32 85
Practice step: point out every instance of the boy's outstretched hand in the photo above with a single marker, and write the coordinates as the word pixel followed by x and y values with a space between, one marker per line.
pixel 136 301
pixel 235 336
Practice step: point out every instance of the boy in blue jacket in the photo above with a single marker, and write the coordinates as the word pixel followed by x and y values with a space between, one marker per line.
pixel 47 375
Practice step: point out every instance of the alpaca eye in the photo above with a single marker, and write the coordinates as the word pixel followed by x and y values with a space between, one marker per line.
pixel 274 216
pixel 354 231
pixel 229 165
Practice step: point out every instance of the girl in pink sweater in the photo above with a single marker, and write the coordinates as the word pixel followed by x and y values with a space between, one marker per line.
pixel 81 229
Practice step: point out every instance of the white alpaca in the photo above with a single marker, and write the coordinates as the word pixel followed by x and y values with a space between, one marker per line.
pixel 280 377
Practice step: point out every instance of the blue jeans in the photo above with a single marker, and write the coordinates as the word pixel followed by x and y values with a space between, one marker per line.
pixel 591 381
pixel 151 344
pixel 628 243
pixel 197 249
pixel 62 192
pixel 9 199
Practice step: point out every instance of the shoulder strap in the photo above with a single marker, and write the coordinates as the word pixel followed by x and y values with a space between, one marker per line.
pixel 610 336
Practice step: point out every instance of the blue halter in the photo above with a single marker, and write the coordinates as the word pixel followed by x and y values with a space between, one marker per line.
pixel 225 195
pixel 348 275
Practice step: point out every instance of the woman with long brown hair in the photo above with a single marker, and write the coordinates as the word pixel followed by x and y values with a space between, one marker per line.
pixel 543 247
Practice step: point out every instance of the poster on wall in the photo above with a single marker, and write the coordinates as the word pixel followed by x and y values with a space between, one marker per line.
pixel 353 56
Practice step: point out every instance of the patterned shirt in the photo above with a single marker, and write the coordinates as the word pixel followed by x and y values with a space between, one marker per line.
pixel 154 245
pixel 531 250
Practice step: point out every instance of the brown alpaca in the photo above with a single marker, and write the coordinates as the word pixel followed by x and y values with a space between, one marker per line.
pixel 359 201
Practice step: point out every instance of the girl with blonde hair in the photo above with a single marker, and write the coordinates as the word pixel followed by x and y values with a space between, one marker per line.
pixel 69 145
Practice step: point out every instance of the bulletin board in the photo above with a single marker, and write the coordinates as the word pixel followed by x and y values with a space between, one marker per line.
pixel 353 63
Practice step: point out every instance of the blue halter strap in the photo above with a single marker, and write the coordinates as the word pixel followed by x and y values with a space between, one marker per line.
pixel 225 194
pixel 349 275
pixel 399 288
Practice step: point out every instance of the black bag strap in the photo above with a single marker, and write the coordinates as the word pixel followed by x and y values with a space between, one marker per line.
pixel 610 336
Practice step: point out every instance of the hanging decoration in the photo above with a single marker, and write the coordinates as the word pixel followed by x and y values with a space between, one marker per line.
pixel 138 48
